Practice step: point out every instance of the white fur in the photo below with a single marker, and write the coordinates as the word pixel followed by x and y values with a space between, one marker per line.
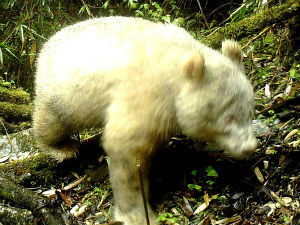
pixel 131 77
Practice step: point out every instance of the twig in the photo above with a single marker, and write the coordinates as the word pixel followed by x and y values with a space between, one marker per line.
pixel 97 135
pixel 74 184
pixel 206 23
pixel 214 31
pixel 138 165
pixel 282 203
pixel 102 199
pixel 257 36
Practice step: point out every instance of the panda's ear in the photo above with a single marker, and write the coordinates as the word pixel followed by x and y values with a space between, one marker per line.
pixel 232 50
pixel 193 66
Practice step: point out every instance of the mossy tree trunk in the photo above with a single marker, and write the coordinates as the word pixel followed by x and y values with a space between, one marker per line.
pixel 255 23
pixel 15 107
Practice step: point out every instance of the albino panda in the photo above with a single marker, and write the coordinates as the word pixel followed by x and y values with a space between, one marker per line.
pixel 141 82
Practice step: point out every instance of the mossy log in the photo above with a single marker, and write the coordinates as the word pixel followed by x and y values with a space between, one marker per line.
pixel 46 171
pixel 30 200
pixel 255 23
pixel 42 170
pixel 15 104
pixel 12 215
pixel 14 112
pixel 15 96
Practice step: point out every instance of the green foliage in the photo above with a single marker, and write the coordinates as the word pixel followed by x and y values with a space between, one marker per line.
pixel 270 120
pixel 194 187
pixel 152 10
pixel 98 193
pixel 210 182
pixel 211 172
pixel 131 3
pixel 167 217
pixel 194 172
pixel 294 74
pixel 286 219
pixel 206 179
pixel 244 10
pixel 23 30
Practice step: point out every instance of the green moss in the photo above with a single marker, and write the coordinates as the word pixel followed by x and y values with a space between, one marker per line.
pixel 254 23
pixel 41 169
pixel 24 125
pixel 15 96
pixel 13 112
pixel 16 216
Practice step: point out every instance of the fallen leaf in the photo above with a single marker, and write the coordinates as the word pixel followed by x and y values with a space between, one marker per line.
pixel 287 90
pixel 295 205
pixel 293 179
pixel 202 207
pixel 175 212
pixel 77 211
pixel 270 151
pixel 279 97
pixel 186 207
pixel 206 198
pixel 292 133
pixel 229 220
pixel 266 164
pixel 205 221
pixel 271 207
pixel 267 91
pixel 66 197
pixel 259 175
pixel 50 193
pixel 75 174
pixel 294 144
pixel 287 200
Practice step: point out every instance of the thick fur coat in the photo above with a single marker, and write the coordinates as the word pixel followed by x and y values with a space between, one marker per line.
pixel 142 82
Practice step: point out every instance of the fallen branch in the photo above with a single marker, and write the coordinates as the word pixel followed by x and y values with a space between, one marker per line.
pixel 257 36
pixel 44 170
pixel 30 200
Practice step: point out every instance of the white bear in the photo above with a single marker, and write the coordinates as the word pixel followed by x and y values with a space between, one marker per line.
pixel 142 82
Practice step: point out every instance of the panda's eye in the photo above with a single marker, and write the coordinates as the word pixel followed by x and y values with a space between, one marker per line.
pixel 230 119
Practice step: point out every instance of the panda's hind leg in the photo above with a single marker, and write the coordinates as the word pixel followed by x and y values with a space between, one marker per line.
pixel 52 133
